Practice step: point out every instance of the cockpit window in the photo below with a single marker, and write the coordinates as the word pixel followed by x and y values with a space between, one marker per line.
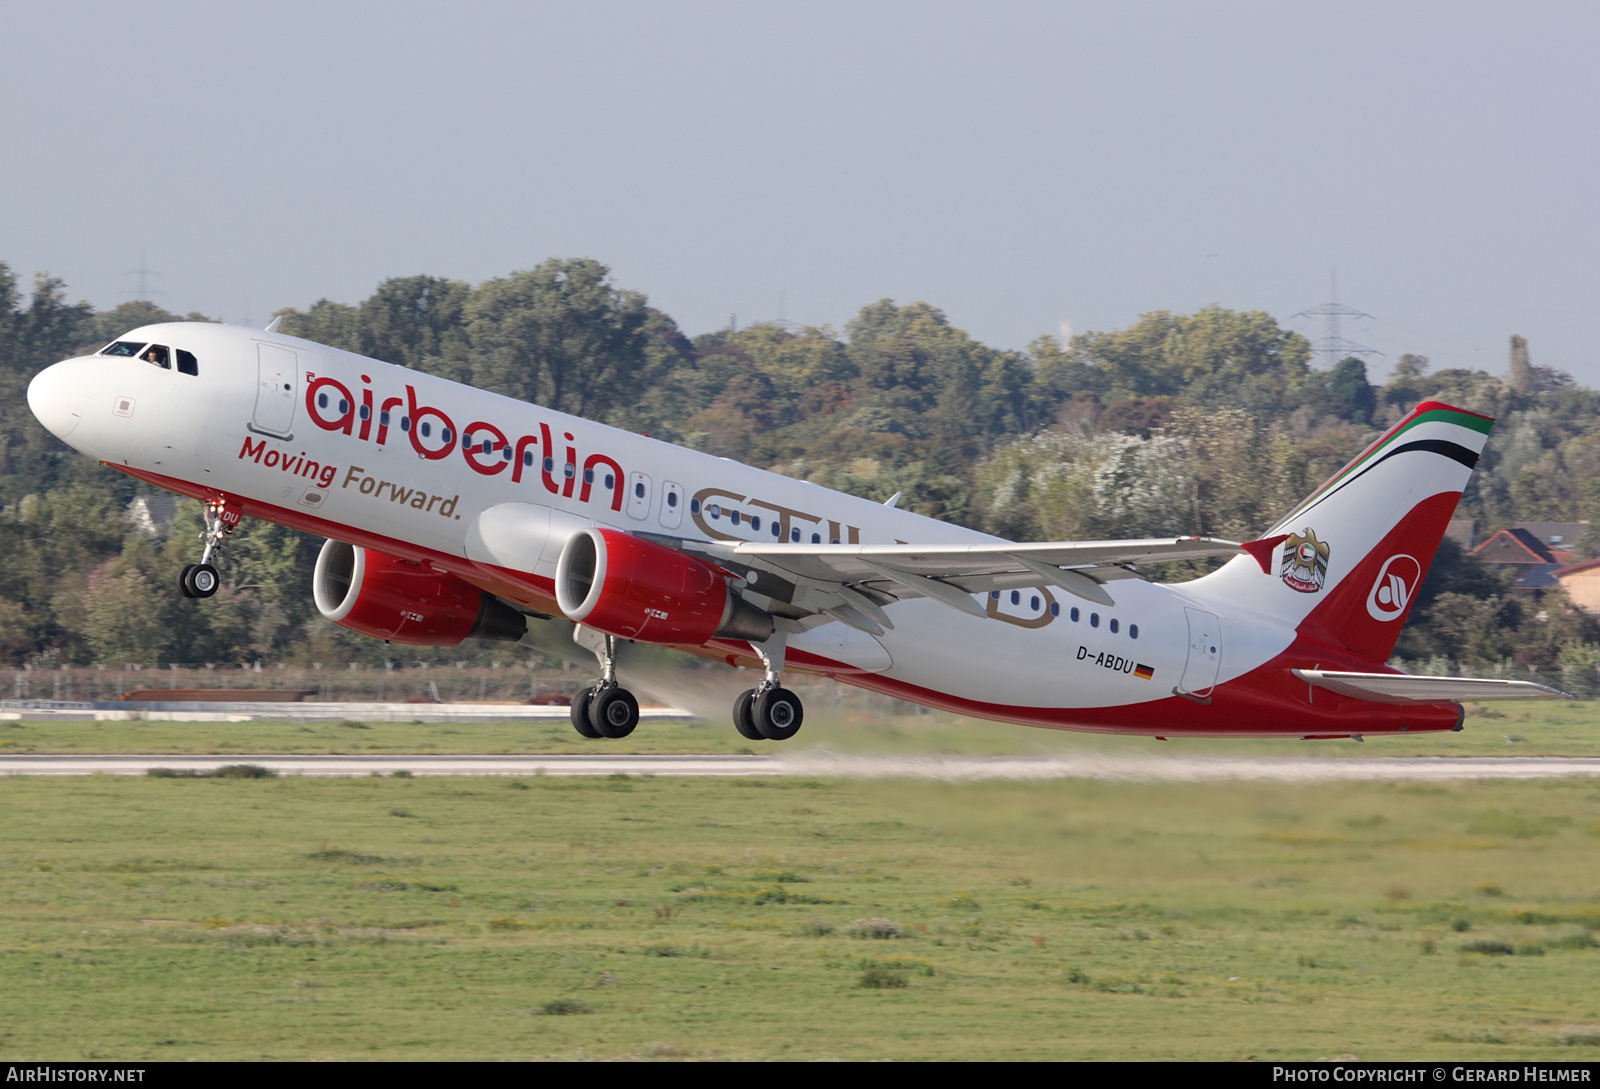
pixel 124 347
pixel 156 355
pixel 187 363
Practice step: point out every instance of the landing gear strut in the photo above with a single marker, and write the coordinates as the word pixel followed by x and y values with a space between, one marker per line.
pixel 201 579
pixel 768 712
pixel 607 710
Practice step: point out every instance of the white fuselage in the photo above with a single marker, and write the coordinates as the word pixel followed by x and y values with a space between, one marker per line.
pixel 379 455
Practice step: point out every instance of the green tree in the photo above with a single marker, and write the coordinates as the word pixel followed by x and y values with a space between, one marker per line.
pixel 560 335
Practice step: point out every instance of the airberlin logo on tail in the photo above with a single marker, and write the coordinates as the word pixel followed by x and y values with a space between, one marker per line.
pixel 1392 591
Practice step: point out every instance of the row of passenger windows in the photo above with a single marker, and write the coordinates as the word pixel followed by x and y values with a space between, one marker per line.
pixel 1073 614
pixel 738 517
pixel 157 355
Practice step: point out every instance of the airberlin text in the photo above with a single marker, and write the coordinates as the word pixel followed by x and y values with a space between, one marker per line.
pixel 485 447
pixel 1109 661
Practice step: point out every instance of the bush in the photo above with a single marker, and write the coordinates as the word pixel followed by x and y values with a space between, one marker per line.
pixel 563 1006
pixel 875 927
pixel 1489 948
pixel 882 977
pixel 244 771
pixel 227 771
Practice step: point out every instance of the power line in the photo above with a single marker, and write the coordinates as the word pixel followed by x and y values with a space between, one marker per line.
pixel 1334 346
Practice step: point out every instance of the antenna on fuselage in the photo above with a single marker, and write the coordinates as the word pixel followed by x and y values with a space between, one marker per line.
pixel 272 326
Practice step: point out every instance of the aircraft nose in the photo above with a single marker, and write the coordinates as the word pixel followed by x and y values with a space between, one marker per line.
pixel 55 395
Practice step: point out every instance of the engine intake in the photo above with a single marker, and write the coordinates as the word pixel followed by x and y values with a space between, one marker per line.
pixel 404 602
pixel 630 587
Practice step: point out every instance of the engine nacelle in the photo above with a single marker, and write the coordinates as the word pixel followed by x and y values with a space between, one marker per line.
pixel 623 585
pixel 403 602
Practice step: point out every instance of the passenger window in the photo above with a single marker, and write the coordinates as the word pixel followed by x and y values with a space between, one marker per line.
pixel 124 348
pixel 188 364
pixel 794 535
pixel 156 356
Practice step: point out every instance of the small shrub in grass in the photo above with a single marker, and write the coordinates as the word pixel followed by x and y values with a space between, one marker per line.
pixel 339 854
pixel 352 724
pixel 1461 926
pixel 227 771
pixel 664 950
pixel 1530 949
pixel 962 902
pixel 563 1006
pixel 1583 940
pixel 1585 1036
pixel 1489 948
pixel 882 977
pixel 875 927
pixel 813 928
pixel 244 771
pixel 402 773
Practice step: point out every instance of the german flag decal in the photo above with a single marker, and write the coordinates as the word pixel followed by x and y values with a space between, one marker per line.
pixel 1144 672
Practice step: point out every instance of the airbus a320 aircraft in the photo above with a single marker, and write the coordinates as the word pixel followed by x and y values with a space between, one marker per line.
pixel 452 513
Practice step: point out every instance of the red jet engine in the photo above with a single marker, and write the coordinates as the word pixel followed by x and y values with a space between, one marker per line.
pixel 627 586
pixel 404 602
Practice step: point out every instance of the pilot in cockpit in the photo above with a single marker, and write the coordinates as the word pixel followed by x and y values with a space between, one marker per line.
pixel 156 354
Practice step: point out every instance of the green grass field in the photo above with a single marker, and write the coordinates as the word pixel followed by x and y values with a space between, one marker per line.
pixel 1567 728
pixel 145 918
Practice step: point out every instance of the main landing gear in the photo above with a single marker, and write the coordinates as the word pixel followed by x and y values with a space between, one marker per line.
pixel 201 579
pixel 768 712
pixel 606 710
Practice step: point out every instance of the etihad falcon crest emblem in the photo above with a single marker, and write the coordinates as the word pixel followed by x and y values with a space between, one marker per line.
pixel 1305 562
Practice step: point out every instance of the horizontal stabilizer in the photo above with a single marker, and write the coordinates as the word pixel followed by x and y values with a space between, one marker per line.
pixel 1404 688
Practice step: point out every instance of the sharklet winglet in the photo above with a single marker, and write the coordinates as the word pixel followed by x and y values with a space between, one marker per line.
pixel 1263 549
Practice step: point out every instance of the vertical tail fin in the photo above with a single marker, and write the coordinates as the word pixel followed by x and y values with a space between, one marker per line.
pixel 1359 546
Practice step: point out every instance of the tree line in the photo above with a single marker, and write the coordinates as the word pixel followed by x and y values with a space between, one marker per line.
pixel 1214 422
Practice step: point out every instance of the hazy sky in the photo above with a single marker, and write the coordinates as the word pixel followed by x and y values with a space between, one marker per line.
pixel 1020 165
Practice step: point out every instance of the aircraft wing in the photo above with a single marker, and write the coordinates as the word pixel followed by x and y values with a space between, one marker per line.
pixel 1403 688
pixel 851 582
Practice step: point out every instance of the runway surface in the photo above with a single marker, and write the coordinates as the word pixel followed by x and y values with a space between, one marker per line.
pixel 815 764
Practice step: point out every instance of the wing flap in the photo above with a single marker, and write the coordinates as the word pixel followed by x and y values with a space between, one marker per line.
pixel 1405 688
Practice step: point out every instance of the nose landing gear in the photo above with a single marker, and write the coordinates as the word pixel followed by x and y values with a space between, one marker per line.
pixel 201 579
pixel 768 712
pixel 607 710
